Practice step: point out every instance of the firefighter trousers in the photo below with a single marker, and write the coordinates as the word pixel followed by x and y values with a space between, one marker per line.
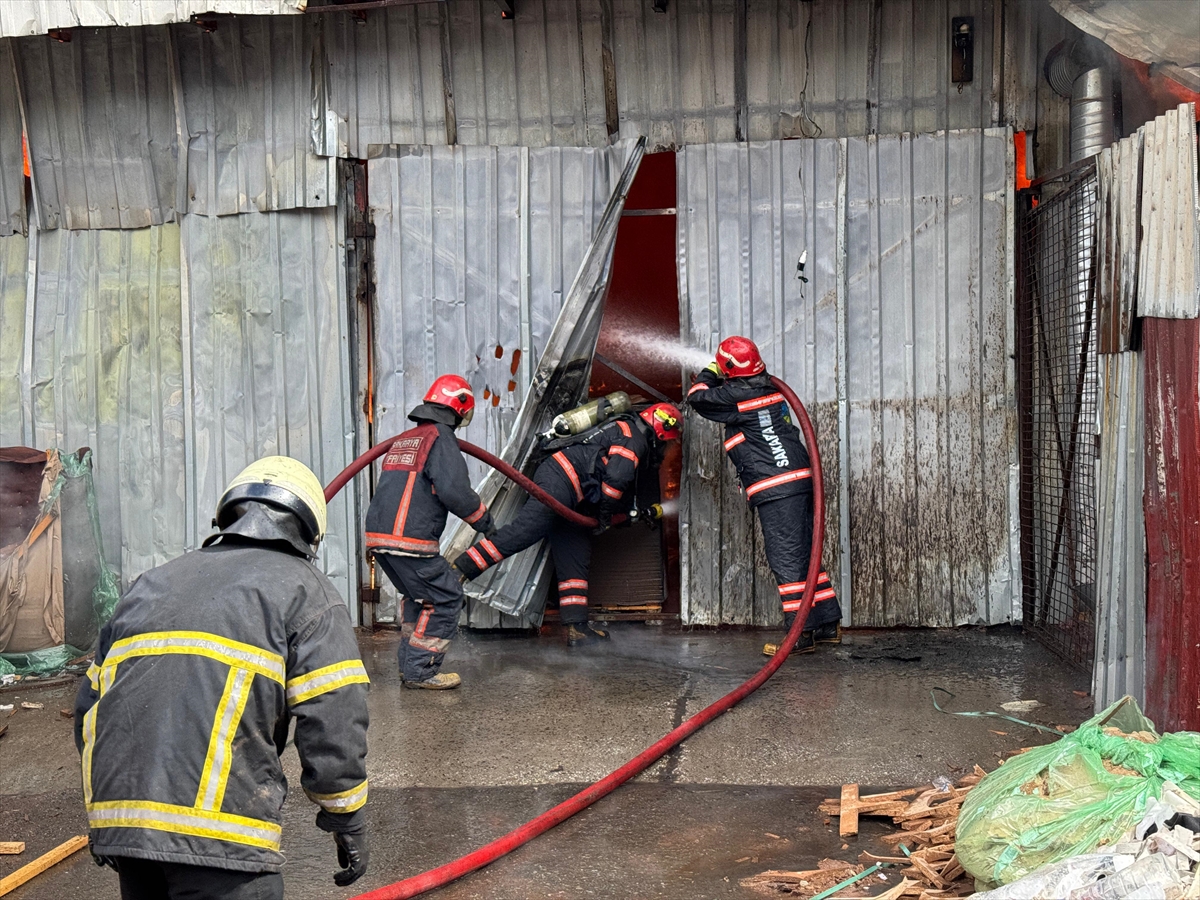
pixel 787 527
pixel 570 545
pixel 146 879
pixel 432 600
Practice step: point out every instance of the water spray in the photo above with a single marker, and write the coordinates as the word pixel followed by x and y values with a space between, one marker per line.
pixel 442 875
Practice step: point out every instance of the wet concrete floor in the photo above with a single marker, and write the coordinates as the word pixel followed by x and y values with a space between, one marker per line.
pixel 535 721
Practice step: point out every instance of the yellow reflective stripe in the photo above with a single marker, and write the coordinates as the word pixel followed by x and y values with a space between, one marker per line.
pixel 217 761
pixel 89 744
pixel 326 679
pixel 107 676
pixel 93 676
pixel 341 802
pixel 199 643
pixel 184 820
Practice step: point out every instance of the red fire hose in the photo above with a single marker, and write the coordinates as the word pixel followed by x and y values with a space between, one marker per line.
pixel 477 859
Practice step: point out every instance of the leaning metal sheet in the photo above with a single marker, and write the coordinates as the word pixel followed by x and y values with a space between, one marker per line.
pixel 475 250
pixel 266 361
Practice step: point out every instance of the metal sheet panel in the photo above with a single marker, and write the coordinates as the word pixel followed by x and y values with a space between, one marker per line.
pixel 14 250
pixel 1120 666
pixel 1169 274
pixel 1171 352
pixel 928 386
pixel 12 175
pixel 247 96
pixel 100 114
pixel 1119 171
pixel 102 367
pixel 267 361
pixel 475 251
pixel 22 17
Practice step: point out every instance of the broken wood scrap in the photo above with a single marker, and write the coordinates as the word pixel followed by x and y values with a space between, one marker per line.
pixel 11 882
pixel 809 882
pixel 11 848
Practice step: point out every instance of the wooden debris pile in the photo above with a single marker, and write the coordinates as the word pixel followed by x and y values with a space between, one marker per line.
pixel 927 818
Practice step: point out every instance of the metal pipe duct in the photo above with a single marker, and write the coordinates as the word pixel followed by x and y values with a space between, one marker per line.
pixel 1091 114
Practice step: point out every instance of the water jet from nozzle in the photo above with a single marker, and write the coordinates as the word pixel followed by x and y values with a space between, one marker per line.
pixel 667 350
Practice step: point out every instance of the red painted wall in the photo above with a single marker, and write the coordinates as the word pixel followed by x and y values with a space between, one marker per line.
pixel 1172 508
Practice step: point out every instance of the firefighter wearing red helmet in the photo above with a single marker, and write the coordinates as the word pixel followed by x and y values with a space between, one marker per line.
pixel 772 463
pixel 595 473
pixel 424 477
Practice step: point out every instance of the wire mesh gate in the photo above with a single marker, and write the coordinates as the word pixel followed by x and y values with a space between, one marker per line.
pixel 1057 384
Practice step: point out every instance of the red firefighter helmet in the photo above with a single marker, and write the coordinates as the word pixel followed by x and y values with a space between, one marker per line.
pixel 454 392
pixel 738 357
pixel 665 419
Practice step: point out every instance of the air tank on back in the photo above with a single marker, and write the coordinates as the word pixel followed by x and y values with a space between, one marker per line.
pixel 581 418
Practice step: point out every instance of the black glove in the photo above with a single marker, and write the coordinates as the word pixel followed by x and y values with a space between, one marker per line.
pixel 603 521
pixel 103 861
pixel 352 856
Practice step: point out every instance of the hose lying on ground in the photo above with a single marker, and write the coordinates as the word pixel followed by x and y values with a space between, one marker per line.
pixel 477 859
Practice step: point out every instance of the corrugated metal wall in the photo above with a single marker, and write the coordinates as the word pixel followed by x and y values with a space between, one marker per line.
pixel 475 250
pixel 14 264
pixel 902 339
pixel 268 362
pixel 21 17
pixel 12 181
pixel 707 71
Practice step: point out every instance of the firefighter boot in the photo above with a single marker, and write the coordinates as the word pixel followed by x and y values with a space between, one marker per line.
pixel 805 644
pixel 829 633
pixel 442 681
pixel 584 633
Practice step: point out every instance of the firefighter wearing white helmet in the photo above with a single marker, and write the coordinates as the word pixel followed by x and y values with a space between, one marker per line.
pixel 213 655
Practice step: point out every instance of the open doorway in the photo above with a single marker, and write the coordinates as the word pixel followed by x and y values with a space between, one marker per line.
pixel 635 570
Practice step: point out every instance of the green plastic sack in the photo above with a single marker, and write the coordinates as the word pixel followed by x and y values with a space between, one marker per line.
pixel 1060 800
pixel 40 663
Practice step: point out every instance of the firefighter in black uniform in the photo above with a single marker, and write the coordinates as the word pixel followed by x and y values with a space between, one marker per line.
pixel 424 476
pixel 594 474
pixel 185 711
pixel 772 463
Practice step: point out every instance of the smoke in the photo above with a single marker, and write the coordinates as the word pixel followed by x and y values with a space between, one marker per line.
pixel 666 350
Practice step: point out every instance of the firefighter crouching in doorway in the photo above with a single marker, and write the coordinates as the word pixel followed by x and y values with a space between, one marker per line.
pixel 772 463
pixel 424 476
pixel 595 473
pixel 185 711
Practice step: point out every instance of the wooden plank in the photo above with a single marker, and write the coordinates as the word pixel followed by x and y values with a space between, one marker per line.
pixel 848 820
pixel 11 848
pixel 11 882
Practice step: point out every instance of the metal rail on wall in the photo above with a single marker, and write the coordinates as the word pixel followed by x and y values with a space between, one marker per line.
pixel 1057 374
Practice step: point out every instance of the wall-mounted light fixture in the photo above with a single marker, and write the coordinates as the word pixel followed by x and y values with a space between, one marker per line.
pixel 962 49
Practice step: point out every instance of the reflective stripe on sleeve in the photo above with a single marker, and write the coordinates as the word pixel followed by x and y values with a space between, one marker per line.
pixel 625 452
pixel 625 429
pixel 610 491
pixel 184 820
pixel 341 802
pixel 477 515
pixel 326 679
pixel 198 643
pixel 760 402
pixel 93 676
pixel 698 386
pixel 569 470
pixel 491 550
pixel 776 480
pixel 734 441
pixel 477 558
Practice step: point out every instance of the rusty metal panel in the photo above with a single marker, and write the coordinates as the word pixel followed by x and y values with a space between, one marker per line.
pixel 267 366
pixel 1169 275
pixel 1171 349
pixel 1120 666
pixel 1119 171
pixel 247 100
pixel 12 175
pixel 100 365
pixel 25 17
pixel 928 392
pixel 102 133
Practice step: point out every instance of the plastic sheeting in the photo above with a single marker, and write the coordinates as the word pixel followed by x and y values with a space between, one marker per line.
pixel 901 340
pixel 267 362
pixel 475 251
pixel 20 17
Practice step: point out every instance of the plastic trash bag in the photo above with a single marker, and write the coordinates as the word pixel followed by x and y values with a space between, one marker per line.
pixel 1062 800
